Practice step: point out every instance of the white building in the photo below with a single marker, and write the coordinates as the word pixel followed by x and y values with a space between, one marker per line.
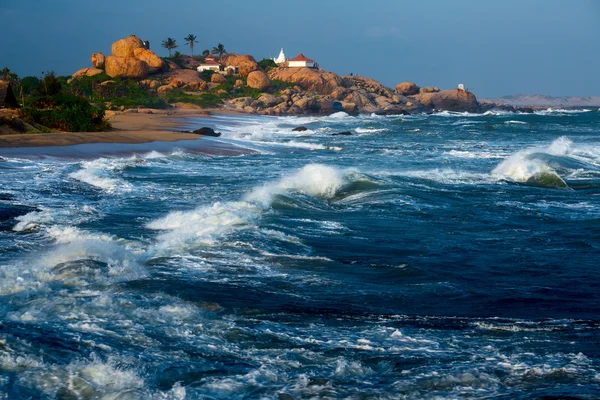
pixel 461 86
pixel 301 61
pixel 210 64
pixel 281 58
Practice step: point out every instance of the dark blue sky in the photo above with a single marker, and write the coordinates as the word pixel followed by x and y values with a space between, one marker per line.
pixel 496 47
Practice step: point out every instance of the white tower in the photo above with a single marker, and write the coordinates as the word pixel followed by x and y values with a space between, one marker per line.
pixel 281 58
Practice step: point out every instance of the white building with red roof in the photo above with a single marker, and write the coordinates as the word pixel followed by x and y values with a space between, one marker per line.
pixel 210 64
pixel 301 61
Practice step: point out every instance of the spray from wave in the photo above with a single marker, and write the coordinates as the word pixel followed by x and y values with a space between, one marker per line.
pixel 206 224
pixel 530 166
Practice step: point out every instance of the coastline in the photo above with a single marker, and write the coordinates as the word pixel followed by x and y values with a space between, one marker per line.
pixel 141 126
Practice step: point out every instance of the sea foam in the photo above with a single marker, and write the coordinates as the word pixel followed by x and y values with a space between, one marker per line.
pixel 526 166
pixel 207 223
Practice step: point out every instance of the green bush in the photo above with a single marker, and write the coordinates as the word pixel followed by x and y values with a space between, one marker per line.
pixel 203 100
pixel 119 92
pixel 266 64
pixel 65 112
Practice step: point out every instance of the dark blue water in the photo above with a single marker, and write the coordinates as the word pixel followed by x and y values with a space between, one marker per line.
pixel 441 256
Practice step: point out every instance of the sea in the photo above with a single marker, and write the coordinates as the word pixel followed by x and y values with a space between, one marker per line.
pixel 443 256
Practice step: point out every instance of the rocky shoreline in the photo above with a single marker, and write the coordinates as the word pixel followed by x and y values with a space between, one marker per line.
pixel 280 90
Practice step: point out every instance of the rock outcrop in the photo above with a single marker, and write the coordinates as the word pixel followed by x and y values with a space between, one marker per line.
pixel 310 79
pixel 258 80
pixel 218 78
pixel 126 67
pixel 407 89
pixel 98 60
pixel 126 47
pixel 449 100
pixel 245 64
pixel 155 63
pixel 129 59
pixel 86 72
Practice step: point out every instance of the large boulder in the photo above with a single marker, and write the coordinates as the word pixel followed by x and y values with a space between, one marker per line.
pixel 155 63
pixel 268 100
pixel 309 79
pixel 126 47
pixel 245 64
pixel 258 80
pixel 98 60
pixel 218 78
pixel 126 67
pixel 449 100
pixel 407 89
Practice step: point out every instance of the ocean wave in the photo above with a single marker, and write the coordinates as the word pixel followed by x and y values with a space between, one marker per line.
pixel 370 130
pixel 552 111
pixel 101 173
pixel 206 224
pixel 526 166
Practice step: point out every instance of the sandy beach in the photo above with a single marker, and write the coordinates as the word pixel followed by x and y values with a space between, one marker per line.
pixel 128 127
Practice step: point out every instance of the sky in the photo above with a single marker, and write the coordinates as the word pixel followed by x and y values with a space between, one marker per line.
pixel 494 47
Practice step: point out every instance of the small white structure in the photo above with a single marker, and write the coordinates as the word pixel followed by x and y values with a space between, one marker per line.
pixel 210 64
pixel 281 58
pixel 461 86
pixel 301 61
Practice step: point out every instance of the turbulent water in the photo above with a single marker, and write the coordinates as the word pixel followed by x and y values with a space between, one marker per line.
pixel 433 256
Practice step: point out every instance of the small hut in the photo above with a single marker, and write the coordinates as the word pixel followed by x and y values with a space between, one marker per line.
pixel 7 96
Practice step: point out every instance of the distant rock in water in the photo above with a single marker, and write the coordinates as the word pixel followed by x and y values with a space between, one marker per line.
pixel 344 133
pixel 207 132
pixel 300 129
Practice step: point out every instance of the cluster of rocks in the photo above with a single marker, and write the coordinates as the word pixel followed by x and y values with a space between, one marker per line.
pixel 310 90
pixel 129 59
pixel 318 91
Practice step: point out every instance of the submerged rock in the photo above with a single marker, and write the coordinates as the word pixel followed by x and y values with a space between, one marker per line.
pixel 207 132
pixel 300 129
pixel 344 133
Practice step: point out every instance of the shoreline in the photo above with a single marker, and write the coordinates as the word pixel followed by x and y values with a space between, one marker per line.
pixel 129 127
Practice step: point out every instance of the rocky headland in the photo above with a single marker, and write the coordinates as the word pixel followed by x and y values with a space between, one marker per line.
pixel 278 90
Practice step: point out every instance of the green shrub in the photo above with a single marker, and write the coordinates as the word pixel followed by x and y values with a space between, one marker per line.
pixel 203 100
pixel 65 112
pixel 119 92
pixel 266 64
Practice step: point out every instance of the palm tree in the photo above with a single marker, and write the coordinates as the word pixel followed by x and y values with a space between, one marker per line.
pixel 206 53
pixel 220 50
pixel 169 44
pixel 191 39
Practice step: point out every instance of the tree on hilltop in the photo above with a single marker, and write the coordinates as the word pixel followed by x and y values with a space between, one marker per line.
pixel 169 44
pixel 191 39
pixel 7 75
pixel 220 50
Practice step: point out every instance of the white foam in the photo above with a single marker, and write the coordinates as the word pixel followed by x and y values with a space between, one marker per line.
pixel 100 173
pixel 515 122
pixel 207 223
pixel 371 130
pixel 551 111
pixel 522 166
